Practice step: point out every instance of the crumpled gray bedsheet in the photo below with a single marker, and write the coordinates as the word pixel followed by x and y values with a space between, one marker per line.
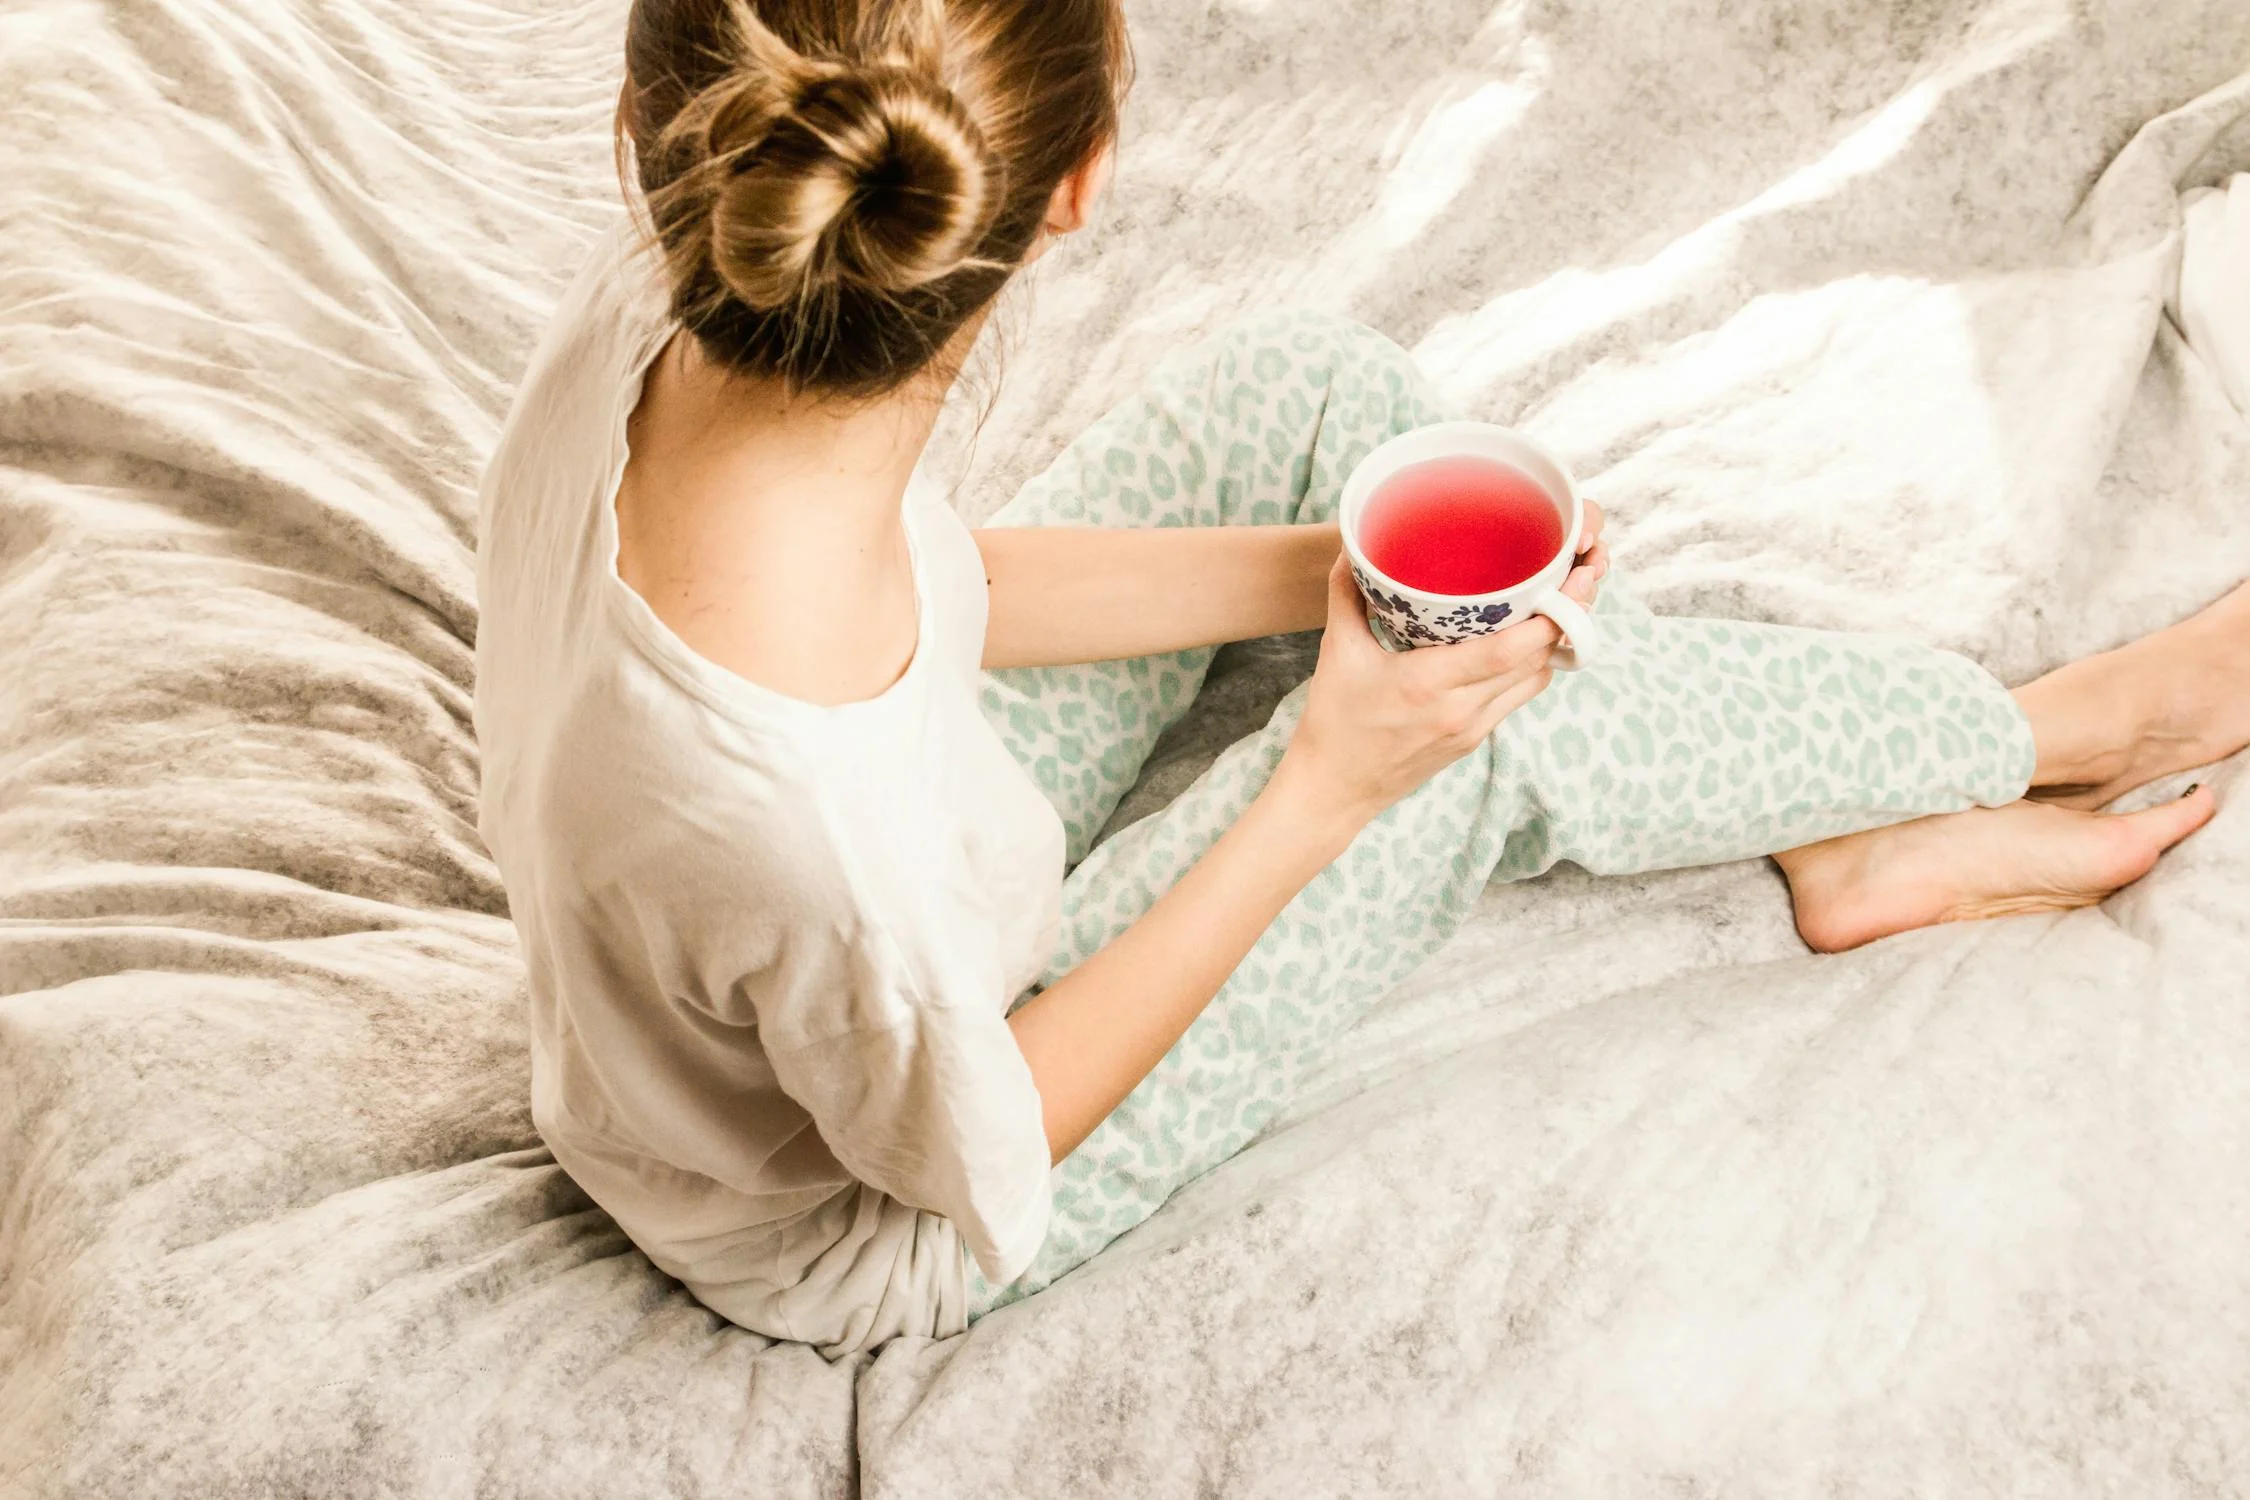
pixel 1852 314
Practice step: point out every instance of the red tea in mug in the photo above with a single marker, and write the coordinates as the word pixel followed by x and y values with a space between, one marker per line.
pixel 1460 526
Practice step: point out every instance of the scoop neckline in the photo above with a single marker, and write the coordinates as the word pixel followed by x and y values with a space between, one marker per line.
pixel 721 687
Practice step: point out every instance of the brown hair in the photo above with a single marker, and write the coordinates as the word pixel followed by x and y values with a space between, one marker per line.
pixel 838 186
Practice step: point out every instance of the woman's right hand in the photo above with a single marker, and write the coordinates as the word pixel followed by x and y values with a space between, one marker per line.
pixel 1375 726
pixel 1377 723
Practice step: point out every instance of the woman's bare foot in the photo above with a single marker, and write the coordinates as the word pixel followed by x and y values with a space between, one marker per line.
pixel 2168 702
pixel 1986 862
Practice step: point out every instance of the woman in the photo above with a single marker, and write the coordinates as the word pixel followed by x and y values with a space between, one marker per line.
pixel 784 766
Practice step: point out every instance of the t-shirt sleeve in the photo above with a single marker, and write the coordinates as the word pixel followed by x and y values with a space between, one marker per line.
pixel 884 1017
pixel 937 1110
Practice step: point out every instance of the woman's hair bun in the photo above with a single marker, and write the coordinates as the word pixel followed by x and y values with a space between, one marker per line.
pixel 836 188
pixel 870 175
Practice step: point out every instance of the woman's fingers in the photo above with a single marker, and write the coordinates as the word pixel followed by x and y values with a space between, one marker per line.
pixel 1529 666
pixel 1584 581
pixel 1347 611
pixel 1502 654
pixel 1481 664
pixel 1593 559
pixel 1511 698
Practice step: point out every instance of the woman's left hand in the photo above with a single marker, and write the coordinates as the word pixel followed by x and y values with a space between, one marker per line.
pixel 1592 565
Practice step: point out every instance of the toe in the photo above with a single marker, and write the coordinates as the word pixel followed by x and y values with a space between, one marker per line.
pixel 2153 830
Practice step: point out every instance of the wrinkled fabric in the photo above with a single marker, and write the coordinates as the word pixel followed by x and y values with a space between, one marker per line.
pixel 1852 315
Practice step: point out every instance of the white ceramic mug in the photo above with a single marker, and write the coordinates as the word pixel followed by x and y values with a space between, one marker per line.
pixel 1403 618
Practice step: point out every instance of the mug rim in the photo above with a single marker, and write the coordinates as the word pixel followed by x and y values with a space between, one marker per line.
pixel 1383 461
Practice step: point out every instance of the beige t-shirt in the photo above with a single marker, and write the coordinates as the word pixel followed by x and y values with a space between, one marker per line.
pixel 771 944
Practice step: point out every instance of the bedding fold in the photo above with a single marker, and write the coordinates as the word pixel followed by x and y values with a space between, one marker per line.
pixel 1851 316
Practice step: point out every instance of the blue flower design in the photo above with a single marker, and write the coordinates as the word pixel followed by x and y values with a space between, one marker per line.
pixel 1407 624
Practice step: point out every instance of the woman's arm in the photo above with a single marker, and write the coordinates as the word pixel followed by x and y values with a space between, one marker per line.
pixel 1063 594
pixel 1094 1034
pixel 1375 726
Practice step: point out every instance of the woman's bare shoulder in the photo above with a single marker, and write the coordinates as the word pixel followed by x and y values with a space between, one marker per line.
pixel 766 603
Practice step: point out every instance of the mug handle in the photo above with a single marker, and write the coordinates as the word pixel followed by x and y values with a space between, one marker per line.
pixel 1584 641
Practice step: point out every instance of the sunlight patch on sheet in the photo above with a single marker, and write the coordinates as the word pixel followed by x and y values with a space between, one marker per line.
pixel 1909 348
pixel 1469 352
pixel 1442 155
pixel 1824 422
pixel 1432 161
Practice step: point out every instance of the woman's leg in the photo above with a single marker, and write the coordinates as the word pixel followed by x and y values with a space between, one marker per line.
pixel 1258 425
pixel 2104 727
pixel 1705 742
pixel 2168 702
pixel 1986 862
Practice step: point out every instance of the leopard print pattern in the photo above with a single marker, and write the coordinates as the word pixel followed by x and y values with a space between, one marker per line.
pixel 1691 742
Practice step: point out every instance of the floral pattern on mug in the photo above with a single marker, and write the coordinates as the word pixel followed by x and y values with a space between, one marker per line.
pixel 1399 623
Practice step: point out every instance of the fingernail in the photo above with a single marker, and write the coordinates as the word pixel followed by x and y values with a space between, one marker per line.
pixel 2193 788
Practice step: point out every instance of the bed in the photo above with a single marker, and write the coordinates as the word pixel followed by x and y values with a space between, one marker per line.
pixel 1863 316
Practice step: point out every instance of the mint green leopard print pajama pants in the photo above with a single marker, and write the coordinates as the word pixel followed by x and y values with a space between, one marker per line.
pixel 1692 743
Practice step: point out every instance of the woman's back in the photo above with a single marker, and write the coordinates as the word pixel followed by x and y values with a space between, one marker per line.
pixel 743 535
pixel 735 903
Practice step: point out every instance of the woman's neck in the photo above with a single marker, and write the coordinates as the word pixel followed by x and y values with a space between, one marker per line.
pixel 763 448
pixel 767 530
